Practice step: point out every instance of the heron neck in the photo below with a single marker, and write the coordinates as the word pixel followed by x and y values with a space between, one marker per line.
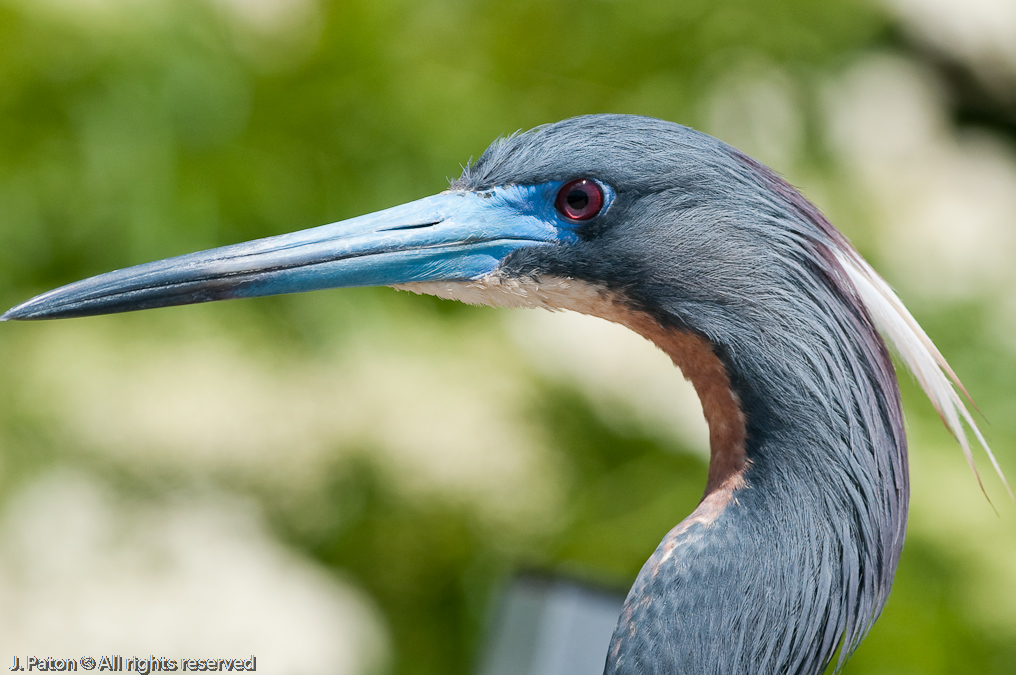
pixel 793 547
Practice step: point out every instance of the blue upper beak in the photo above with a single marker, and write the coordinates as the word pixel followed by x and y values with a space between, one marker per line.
pixel 452 236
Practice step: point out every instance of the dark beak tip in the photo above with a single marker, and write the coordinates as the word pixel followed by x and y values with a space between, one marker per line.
pixel 12 315
pixel 24 312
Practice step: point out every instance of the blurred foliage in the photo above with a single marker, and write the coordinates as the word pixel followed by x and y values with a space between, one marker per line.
pixel 131 131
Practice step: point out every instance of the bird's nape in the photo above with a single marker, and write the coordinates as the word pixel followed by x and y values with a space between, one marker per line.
pixel 764 306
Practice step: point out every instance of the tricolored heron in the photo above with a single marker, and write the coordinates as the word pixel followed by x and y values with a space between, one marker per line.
pixel 762 304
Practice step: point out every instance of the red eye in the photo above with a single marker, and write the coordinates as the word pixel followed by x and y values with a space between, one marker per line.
pixel 580 199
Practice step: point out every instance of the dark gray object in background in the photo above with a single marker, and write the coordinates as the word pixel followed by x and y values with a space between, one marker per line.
pixel 551 627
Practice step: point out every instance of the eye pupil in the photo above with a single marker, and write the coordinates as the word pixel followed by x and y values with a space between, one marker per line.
pixel 580 199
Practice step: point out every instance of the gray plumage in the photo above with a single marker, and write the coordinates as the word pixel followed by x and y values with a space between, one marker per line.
pixel 707 240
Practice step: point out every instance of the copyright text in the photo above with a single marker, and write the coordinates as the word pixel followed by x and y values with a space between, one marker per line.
pixel 132 664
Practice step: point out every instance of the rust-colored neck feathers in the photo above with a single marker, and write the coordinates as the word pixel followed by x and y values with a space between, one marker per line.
pixel 727 436
pixel 690 352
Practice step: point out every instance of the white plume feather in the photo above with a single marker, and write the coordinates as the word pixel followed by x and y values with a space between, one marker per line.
pixel 920 355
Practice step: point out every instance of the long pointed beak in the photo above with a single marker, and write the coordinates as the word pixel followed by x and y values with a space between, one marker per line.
pixel 452 236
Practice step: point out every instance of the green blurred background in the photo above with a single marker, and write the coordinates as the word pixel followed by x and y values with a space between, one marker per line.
pixel 343 482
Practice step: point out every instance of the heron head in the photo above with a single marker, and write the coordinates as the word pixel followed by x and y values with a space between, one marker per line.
pixel 562 216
